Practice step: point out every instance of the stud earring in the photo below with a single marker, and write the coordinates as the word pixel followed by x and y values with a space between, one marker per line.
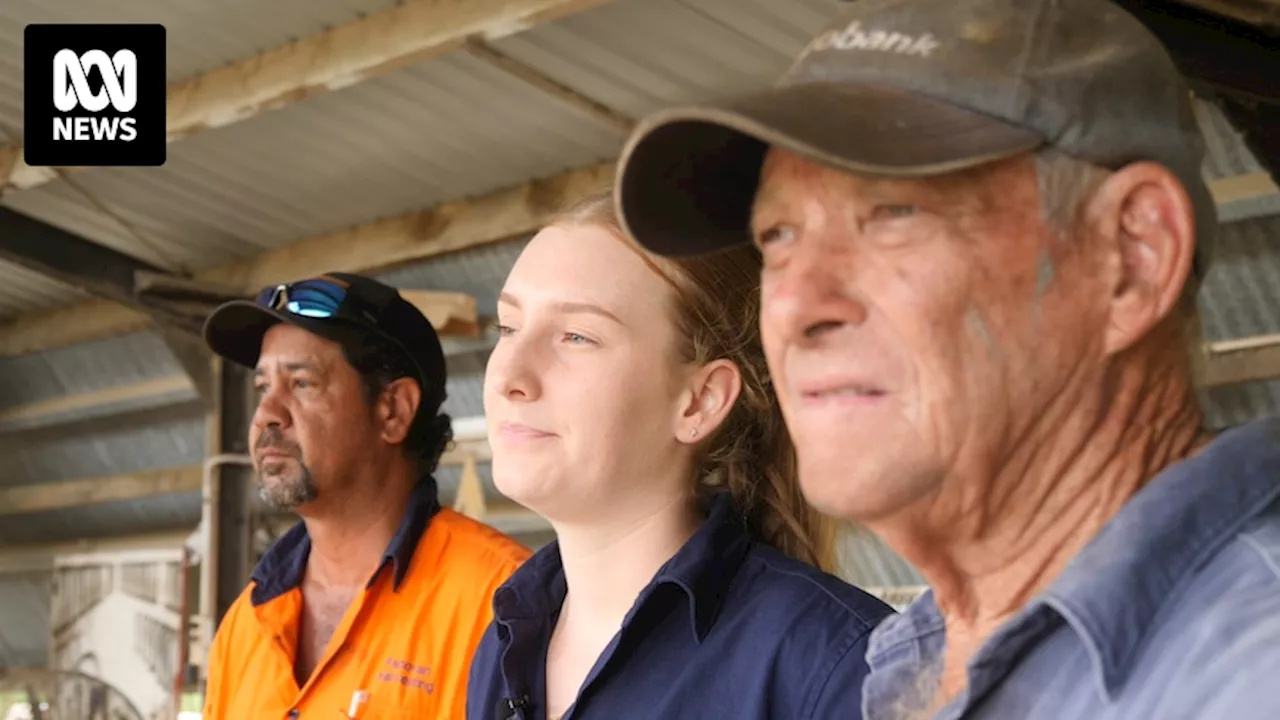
pixel 693 433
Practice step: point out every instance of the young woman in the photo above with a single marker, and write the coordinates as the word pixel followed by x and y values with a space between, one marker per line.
pixel 628 403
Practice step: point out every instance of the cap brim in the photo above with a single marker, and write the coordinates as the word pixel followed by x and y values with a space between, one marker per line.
pixel 687 177
pixel 235 329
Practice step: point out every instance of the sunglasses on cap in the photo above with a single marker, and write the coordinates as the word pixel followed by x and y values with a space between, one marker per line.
pixel 324 297
pixel 332 298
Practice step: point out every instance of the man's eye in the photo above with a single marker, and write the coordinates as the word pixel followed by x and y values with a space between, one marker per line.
pixel 893 212
pixel 773 234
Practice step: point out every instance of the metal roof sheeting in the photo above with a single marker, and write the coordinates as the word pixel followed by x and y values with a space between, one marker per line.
pixel 97 365
pixel 23 291
pixel 179 512
pixel 636 56
pixel 865 560
pixel 435 131
pixel 1241 293
pixel 202 34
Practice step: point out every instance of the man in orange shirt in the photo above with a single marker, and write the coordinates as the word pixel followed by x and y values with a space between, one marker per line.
pixel 372 605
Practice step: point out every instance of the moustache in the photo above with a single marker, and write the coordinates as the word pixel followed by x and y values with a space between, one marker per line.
pixel 273 437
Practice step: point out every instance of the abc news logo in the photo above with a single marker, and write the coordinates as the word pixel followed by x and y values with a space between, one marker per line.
pixel 94 95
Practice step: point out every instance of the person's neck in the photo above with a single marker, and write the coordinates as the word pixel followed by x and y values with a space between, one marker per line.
pixel 989 544
pixel 349 535
pixel 607 565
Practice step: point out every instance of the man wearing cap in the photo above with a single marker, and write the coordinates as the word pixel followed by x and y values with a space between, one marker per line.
pixel 373 604
pixel 983 226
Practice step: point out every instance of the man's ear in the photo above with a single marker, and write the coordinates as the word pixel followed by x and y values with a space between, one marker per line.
pixel 1146 220
pixel 397 407
pixel 713 390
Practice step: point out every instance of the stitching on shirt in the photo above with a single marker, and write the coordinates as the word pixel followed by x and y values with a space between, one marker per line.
pixel 851 641
pixel 769 562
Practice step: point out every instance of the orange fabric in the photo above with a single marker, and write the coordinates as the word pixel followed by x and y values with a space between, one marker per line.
pixel 409 649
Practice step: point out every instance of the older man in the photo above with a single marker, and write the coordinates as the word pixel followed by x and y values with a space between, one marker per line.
pixel 982 224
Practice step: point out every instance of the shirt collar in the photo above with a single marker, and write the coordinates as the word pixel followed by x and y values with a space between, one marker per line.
pixel 702 569
pixel 282 565
pixel 1111 591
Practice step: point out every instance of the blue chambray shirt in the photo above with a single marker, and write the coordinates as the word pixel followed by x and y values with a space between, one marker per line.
pixel 1172 612
pixel 728 629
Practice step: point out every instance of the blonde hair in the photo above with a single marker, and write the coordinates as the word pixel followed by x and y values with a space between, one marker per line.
pixel 716 314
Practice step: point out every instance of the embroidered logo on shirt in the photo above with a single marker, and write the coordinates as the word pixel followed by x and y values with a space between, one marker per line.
pixel 407 674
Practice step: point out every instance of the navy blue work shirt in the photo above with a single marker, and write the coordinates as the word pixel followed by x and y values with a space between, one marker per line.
pixel 728 628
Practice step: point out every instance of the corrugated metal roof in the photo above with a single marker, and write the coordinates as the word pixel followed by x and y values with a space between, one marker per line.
pixel 438 130
pixel 23 291
pixel 180 511
pixel 1241 298
pixel 106 363
pixel 1239 404
pixel 112 446
pixel 202 34
pixel 636 56
pixel 1241 293
pixel 25 600
pixel 866 561
pixel 1225 152
pixel 479 272
pixel 432 132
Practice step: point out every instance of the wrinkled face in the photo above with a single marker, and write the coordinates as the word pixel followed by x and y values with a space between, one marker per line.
pixel 914 328
pixel 312 422
pixel 582 391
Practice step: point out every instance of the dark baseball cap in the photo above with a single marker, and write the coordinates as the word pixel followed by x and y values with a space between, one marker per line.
pixel 343 307
pixel 912 88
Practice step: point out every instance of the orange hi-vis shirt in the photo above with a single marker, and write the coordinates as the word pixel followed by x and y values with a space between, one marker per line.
pixel 402 650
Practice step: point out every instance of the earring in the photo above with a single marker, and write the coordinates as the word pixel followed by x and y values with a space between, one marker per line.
pixel 693 433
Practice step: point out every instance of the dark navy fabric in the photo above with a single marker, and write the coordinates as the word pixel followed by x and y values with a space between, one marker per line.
pixel 281 567
pixel 728 628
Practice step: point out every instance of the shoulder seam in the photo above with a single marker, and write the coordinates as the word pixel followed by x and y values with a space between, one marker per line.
pixel 494 543
pixel 868 625
pixel 1267 558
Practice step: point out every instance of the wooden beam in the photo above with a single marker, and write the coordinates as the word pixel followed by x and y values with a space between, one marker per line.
pixel 1233 362
pixel 1249 186
pixel 450 227
pixel 91 491
pixel 375 45
pixel 144 395
pixel 450 313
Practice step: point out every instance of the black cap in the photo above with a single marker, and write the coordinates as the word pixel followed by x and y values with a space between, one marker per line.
pixel 370 308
